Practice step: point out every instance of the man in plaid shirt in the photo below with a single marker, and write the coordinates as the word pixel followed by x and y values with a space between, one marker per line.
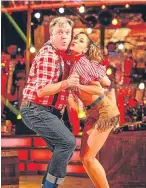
pixel 45 95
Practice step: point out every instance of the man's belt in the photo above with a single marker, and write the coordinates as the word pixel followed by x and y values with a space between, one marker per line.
pixel 26 103
pixel 94 103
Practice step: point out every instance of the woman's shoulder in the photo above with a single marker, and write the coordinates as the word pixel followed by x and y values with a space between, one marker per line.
pixel 98 64
pixel 84 60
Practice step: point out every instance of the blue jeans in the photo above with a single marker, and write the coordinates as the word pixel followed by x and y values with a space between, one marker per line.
pixel 58 137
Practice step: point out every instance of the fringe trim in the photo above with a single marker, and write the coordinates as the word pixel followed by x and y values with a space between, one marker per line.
pixel 105 124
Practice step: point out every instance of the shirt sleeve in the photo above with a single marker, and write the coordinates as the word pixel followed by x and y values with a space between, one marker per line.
pixel 100 69
pixel 88 71
pixel 46 64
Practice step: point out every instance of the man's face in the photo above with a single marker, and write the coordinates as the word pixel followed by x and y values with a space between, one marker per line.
pixel 61 36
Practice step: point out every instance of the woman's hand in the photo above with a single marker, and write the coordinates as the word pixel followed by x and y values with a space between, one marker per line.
pixel 97 83
pixel 105 81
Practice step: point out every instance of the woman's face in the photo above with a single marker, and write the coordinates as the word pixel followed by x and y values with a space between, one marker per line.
pixel 80 43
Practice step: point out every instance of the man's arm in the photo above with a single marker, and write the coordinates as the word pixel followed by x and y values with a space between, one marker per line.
pixel 46 66
pixel 51 89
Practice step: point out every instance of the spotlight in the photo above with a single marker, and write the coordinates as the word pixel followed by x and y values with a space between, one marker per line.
pixel 114 21
pixel 61 10
pixel 109 71
pixel 141 86
pixel 19 116
pixel 127 6
pixel 82 115
pixel 34 22
pixel 105 17
pixel 103 7
pixel 37 15
pixel 91 20
pixel 82 9
pixel 121 46
pixel 19 49
pixel 89 30
pixel 32 50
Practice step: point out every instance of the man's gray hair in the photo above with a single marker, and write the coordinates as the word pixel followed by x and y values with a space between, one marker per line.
pixel 61 22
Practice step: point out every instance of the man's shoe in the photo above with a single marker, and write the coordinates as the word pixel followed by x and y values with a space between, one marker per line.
pixel 48 184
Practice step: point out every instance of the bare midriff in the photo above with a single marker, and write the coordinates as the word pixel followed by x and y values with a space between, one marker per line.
pixel 104 108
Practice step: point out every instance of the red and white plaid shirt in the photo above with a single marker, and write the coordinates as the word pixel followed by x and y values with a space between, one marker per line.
pixel 88 70
pixel 45 70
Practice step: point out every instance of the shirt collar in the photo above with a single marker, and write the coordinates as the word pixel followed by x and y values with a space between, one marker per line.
pixel 64 54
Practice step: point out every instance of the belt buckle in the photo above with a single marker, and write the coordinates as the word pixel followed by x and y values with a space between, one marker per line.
pixel 28 104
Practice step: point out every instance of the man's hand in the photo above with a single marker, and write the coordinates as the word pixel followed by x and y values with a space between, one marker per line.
pixel 73 80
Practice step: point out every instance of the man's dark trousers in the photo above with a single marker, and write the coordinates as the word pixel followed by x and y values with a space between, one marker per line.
pixel 58 137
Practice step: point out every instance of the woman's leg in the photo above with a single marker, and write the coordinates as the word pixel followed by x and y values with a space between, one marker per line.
pixel 92 142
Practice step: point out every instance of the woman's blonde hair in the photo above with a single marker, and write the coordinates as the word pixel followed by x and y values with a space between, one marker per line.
pixel 94 50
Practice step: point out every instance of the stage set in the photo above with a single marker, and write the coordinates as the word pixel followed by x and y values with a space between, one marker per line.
pixel 120 29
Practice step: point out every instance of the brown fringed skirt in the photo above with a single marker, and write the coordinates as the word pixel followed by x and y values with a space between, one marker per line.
pixel 104 115
pixel 104 124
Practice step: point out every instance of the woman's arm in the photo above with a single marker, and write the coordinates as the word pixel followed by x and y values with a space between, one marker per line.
pixel 100 73
pixel 105 81
pixel 94 88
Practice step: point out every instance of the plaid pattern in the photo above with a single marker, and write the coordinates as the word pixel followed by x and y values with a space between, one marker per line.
pixel 88 71
pixel 45 70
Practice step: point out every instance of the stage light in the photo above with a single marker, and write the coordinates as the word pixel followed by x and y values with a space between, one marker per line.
pixel 141 86
pixel 121 46
pixel 91 20
pixel 19 116
pixel 109 71
pixel 35 22
pixel 80 134
pixel 32 50
pixel 82 9
pixel 37 15
pixel 114 21
pixel 105 17
pixel 61 10
pixel 19 49
pixel 127 6
pixel 103 7
pixel 82 115
pixel 89 30
pixel 10 106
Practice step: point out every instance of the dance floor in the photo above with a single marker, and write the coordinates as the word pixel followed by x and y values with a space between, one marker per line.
pixel 70 182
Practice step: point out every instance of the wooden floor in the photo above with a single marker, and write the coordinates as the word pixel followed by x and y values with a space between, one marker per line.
pixel 70 182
